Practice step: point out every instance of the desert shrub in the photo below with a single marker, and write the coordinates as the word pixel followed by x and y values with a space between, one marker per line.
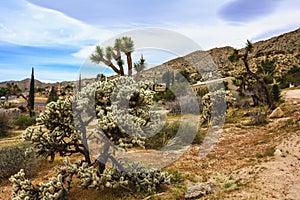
pixel 168 95
pixel 291 76
pixel 4 126
pixel 23 121
pixel 13 159
pixel 170 134
pixel 258 118
pixel 202 91
pixel 165 135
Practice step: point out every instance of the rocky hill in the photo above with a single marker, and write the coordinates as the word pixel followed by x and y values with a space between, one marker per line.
pixel 285 49
pixel 24 84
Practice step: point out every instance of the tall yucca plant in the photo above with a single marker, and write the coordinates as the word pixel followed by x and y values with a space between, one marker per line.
pixel 112 56
pixel 140 66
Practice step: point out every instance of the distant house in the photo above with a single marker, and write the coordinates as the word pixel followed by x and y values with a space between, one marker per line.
pixel 2 99
pixel 160 87
pixel 201 85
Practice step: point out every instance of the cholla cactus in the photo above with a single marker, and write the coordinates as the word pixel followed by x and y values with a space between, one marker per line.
pixel 133 177
pixel 121 106
pixel 121 110
pixel 56 132
pixel 23 189
pixel 215 104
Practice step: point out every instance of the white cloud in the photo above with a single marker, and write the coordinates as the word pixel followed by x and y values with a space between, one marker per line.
pixel 85 52
pixel 26 24
pixel 219 33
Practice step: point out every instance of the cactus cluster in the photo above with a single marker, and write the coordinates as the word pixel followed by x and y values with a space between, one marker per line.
pixel 132 177
pixel 215 104
pixel 23 189
pixel 121 109
pixel 56 131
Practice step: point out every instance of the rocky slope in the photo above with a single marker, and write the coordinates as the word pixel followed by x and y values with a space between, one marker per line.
pixel 285 49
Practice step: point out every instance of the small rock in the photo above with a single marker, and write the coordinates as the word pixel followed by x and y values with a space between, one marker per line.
pixel 199 190
pixel 277 152
pixel 277 113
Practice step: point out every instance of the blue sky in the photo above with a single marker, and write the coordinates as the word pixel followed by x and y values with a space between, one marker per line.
pixel 56 37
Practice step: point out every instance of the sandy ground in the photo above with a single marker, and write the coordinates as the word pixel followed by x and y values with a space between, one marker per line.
pixel 292 95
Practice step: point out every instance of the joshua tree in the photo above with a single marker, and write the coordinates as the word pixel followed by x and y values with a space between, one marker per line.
pixel 128 48
pixel 122 45
pixel 12 89
pixel 235 56
pixel 276 92
pixel 140 66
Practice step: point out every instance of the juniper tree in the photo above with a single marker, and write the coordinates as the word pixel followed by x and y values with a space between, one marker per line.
pixel 31 94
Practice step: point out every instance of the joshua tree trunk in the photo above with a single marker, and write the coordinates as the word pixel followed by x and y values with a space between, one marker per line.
pixel 129 61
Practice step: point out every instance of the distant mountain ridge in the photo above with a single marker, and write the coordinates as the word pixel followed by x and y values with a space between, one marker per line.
pixel 285 49
pixel 24 84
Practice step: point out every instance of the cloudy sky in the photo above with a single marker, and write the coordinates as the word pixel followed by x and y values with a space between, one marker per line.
pixel 56 37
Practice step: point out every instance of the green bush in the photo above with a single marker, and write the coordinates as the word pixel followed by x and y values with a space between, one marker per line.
pixel 13 159
pixel 258 118
pixel 291 76
pixel 23 121
pixel 168 95
pixel 167 133
pixel 202 91
pixel 4 126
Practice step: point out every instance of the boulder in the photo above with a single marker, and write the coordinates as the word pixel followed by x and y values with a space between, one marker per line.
pixel 277 113
pixel 199 190
pixel 277 152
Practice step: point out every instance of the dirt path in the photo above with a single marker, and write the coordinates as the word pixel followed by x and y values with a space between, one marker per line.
pixel 292 95
pixel 11 140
